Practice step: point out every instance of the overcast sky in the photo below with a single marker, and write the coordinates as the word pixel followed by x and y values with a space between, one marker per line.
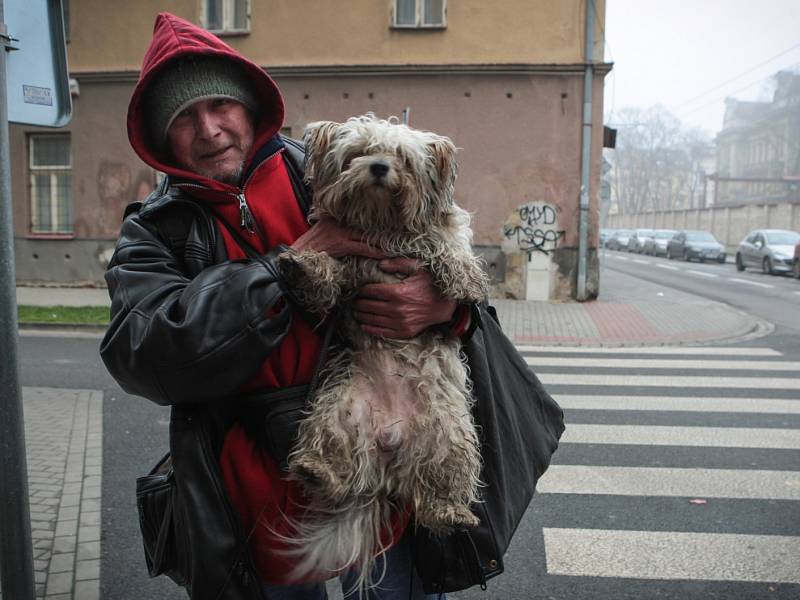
pixel 690 54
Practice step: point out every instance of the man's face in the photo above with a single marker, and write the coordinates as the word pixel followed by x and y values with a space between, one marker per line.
pixel 212 138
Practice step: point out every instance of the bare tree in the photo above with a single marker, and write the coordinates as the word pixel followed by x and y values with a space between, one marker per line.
pixel 655 160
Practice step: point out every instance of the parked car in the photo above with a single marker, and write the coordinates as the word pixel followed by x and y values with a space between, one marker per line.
pixel 619 240
pixel 690 243
pixel 771 250
pixel 656 244
pixel 638 238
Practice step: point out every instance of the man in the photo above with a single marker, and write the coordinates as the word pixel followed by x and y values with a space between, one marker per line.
pixel 201 320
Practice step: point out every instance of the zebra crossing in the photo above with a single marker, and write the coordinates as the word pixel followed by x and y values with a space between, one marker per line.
pixel 679 472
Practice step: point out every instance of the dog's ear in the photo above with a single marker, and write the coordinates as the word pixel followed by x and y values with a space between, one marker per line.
pixel 317 138
pixel 443 153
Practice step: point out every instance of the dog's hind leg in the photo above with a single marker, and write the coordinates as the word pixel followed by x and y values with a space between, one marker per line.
pixel 442 463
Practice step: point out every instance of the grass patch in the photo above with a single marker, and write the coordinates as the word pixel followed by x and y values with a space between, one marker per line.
pixel 63 315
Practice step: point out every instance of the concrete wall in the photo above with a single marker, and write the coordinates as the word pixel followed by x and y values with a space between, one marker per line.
pixel 728 224
pixel 356 32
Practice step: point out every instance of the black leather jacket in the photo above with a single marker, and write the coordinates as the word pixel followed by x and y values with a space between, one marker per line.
pixel 188 327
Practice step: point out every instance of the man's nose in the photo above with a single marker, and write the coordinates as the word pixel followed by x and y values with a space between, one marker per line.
pixel 206 124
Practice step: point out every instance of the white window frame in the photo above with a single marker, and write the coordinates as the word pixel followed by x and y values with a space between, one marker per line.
pixel 57 227
pixel 419 9
pixel 228 14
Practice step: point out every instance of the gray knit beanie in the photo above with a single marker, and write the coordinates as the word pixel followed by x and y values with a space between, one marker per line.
pixel 187 81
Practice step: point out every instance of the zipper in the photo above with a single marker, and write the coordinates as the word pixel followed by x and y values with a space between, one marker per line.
pixel 246 219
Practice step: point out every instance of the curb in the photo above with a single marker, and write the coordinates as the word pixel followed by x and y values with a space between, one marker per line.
pixel 62 327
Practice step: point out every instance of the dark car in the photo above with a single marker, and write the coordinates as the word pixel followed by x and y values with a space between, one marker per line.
pixel 796 265
pixel 638 238
pixel 771 250
pixel 700 245
pixel 656 245
pixel 619 240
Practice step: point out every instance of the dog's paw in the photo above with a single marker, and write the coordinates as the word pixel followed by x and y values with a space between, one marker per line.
pixel 446 517
pixel 314 279
pixel 317 479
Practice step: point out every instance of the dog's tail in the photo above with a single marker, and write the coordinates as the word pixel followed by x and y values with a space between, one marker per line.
pixel 325 544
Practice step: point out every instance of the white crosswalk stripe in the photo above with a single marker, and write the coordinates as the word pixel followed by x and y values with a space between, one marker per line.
pixel 672 555
pixel 722 402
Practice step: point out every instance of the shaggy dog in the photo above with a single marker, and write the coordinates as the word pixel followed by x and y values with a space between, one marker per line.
pixel 390 427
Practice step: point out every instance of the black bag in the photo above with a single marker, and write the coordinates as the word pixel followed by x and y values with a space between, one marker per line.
pixel 157 504
pixel 519 424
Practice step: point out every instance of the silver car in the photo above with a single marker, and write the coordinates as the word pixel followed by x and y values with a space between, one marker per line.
pixel 638 239
pixel 657 244
pixel 619 239
pixel 771 250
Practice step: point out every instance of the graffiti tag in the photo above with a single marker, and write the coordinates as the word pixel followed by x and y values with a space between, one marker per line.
pixel 531 239
pixel 532 228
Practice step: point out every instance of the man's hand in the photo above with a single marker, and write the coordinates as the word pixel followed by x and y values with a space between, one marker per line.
pixel 328 236
pixel 402 310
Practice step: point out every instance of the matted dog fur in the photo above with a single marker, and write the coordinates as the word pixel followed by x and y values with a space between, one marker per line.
pixel 391 426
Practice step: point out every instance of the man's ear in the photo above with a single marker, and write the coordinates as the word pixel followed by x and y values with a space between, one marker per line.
pixel 317 137
pixel 443 154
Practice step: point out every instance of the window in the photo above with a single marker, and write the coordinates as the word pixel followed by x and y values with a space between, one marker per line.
pixel 420 13
pixel 50 168
pixel 227 16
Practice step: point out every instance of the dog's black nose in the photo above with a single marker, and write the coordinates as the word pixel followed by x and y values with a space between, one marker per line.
pixel 379 168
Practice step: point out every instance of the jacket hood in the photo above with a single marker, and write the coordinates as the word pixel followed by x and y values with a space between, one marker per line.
pixel 175 38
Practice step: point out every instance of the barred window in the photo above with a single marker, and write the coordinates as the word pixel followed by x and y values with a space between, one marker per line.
pixel 420 13
pixel 226 16
pixel 50 167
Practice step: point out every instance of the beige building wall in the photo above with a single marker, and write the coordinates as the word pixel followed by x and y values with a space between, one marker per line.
pixel 347 32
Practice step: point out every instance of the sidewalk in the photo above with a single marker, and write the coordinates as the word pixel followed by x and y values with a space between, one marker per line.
pixel 629 311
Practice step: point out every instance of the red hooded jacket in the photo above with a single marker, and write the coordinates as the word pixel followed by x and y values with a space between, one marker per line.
pixel 252 478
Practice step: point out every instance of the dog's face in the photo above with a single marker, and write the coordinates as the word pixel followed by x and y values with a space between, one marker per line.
pixel 375 175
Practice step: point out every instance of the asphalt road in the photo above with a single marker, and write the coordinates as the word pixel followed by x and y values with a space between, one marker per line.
pixel 617 515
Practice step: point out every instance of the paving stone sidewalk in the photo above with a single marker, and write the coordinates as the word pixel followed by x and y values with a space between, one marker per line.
pixel 628 312
pixel 63 438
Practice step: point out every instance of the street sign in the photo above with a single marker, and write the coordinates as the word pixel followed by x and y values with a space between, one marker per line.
pixel 37 79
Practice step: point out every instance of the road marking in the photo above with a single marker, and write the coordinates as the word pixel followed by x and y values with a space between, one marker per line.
pixel 764 285
pixel 684 350
pixel 622 258
pixel 664 435
pixel 670 381
pixel 641 262
pixel 665 363
pixel 670 267
pixel 672 555
pixel 703 273
pixel 682 403
pixel 798 293
pixel 660 481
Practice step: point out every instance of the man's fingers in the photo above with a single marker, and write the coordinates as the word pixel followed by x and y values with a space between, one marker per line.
pixel 383 292
pixel 406 266
pixel 372 319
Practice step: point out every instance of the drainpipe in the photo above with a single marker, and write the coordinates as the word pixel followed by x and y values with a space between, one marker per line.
pixel 583 224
